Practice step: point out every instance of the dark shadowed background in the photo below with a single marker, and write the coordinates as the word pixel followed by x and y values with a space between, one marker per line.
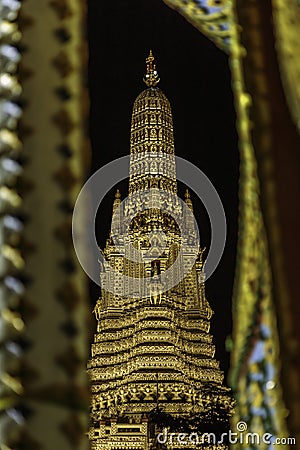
pixel 196 79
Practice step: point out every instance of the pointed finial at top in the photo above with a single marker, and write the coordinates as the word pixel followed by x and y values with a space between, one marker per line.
pixel 151 78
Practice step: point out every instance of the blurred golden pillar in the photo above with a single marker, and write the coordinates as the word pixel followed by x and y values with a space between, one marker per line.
pixel 46 398
pixel 271 72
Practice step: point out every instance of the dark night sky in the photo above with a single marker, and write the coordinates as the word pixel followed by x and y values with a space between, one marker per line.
pixel 196 79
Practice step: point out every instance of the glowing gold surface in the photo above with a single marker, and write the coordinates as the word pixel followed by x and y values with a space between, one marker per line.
pixel 155 350
pixel 212 18
pixel 286 16
pixel 253 283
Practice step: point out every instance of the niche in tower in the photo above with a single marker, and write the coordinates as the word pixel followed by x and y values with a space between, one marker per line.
pixel 155 268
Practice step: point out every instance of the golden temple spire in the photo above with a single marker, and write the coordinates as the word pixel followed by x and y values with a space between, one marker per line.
pixel 168 360
pixel 151 78
pixel 152 134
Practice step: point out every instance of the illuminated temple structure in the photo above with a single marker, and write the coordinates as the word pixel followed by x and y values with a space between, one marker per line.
pixel 155 352
pixel 45 156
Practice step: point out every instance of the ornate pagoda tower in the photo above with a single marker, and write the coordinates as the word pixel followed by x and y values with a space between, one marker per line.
pixel 152 351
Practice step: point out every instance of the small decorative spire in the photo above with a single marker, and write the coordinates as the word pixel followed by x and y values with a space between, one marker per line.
pixel 117 200
pixel 188 200
pixel 187 194
pixel 151 78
